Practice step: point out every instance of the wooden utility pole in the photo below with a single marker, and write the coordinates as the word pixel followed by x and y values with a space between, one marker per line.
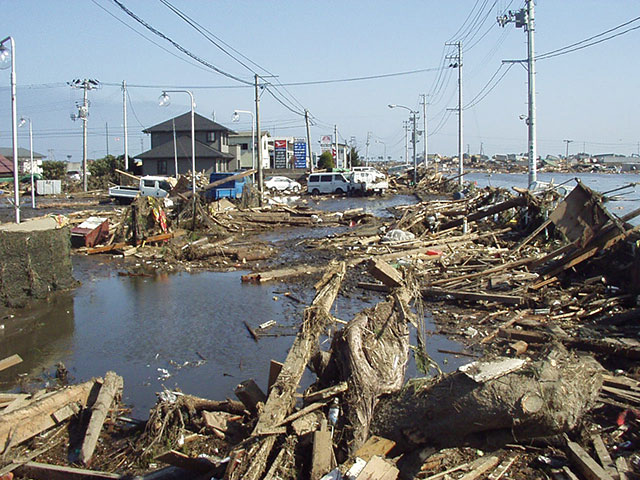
pixel 259 136
pixel 124 123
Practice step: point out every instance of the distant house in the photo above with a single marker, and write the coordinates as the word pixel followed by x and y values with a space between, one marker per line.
pixel 213 153
pixel 6 167
pixel 243 139
pixel 24 160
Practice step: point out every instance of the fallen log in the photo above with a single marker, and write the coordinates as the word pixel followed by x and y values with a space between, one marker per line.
pixel 29 421
pixel 548 397
pixel 252 463
pixel 110 390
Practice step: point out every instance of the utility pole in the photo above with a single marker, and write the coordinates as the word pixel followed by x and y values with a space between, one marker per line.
pixel 415 158
pixel 106 129
pixel 405 125
pixel 83 114
pixel 426 137
pixel 306 121
pixel 366 154
pixel 525 18
pixel 175 147
pixel 566 156
pixel 124 122
pixel 457 63
pixel 259 136
pixel 335 143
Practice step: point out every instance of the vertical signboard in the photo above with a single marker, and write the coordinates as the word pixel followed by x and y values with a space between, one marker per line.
pixel 280 153
pixel 300 154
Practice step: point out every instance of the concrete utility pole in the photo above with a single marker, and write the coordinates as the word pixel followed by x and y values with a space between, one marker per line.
pixel 405 125
pixel 366 154
pixel 259 136
pixel 306 121
pixel 335 143
pixel 415 157
pixel 525 18
pixel 83 114
pixel 457 63
pixel 425 139
pixel 567 142
pixel 124 123
pixel 175 147
pixel 106 132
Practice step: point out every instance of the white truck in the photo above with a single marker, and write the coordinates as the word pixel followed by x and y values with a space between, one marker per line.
pixel 150 186
pixel 365 180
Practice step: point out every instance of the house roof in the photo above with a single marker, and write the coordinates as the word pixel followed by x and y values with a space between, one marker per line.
pixel 183 143
pixel 7 152
pixel 183 124
pixel 6 166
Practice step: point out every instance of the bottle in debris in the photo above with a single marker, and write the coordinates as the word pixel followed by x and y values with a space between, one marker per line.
pixel 334 412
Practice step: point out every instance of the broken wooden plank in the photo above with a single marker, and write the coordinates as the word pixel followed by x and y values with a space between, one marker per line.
pixel 382 271
pixel 604 457
pixel 374 445
pixel 322 454
pixel 44 471
pixel 480 467
pixel 586 465
pixel 378 469
pixel 28 421
pixel 302 412
pixel 10 361
pixel 274 370
pixel 178 459
pixel 518 201
pixel 110 390
pixel 20 400
pixel 326 393
pixel 499 472
pixel 474 296
pixel 623 468
pixel 250 394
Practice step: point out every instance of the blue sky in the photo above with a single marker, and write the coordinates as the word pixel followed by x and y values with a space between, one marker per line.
pixel 589 96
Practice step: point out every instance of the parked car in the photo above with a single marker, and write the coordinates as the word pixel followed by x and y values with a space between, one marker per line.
pixel 328 183
pixel 282 184
pixel 150 186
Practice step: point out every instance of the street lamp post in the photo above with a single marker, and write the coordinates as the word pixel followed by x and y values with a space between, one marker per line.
pixel 413 114
pixel 24 120
pixel 236 118
pixel 9 55
pixel 164 101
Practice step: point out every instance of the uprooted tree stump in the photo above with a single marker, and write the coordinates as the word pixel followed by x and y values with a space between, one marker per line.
pixel 543 398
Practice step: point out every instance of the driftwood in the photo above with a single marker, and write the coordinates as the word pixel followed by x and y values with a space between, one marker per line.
pixel 546 397
pixel 252 463
pixel 110 390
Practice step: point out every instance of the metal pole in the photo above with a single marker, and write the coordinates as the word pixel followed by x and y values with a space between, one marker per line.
pixel 124 121
pixel 306 119
pixel 33 193
pixel 106 129
pixel 406 142
pixel 424 118
pixel 175 147
pixel 260 180
pixel 415 157
pixel 85 119
pixel 460 152
pixel 14 127
pixel 335 143
pixel 366 154
pixel 533 154
pixel 253 143
pixel 193 146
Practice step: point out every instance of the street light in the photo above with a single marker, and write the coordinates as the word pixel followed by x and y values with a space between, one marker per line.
pixel 8 59
pixel 413 114
pixel 385 148
pixel 164 101
pixel 24 120
pixel 236 118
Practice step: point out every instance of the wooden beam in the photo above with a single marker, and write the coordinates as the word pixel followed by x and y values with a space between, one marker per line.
pixel 178 459
pixel 10 361
pixel 44 471
pixel 473 296
pixel 127 174
pixel 586 465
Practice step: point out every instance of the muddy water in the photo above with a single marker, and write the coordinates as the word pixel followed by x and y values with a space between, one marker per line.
pixel 183 330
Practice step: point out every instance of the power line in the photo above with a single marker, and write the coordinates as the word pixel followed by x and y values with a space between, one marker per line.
pixel 480 96
pixel 177 45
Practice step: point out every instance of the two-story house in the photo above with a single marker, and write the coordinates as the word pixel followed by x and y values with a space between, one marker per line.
pixel 211 145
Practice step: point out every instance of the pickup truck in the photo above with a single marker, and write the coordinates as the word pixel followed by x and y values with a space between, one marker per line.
pixel 149 187
pixel 368 181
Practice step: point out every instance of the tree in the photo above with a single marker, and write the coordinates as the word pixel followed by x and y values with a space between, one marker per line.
pixel 106 167
pixel 326 161
pixel 52 170
pixel 354 157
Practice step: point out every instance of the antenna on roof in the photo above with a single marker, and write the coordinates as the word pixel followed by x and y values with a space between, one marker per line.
pixel 213 115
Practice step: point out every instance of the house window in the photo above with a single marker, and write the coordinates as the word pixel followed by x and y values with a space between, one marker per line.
pixel 162 167
pixel 244 146
pixel 211 137
pixel 224 139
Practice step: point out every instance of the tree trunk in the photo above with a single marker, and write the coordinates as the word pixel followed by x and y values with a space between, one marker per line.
pixel 540 399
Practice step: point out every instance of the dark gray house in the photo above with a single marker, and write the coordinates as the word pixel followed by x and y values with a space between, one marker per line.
pixel 211 141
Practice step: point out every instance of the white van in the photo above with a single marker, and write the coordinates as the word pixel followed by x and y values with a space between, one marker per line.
pixel 327 183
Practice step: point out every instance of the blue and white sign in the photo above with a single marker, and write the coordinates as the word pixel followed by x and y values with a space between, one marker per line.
pixel 300 153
